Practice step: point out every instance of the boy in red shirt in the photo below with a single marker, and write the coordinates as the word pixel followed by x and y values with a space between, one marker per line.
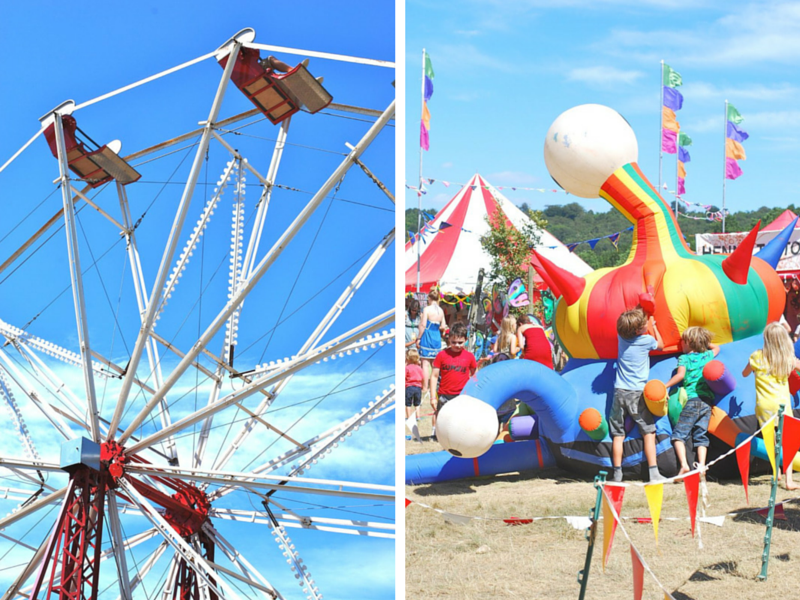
pixel 456 365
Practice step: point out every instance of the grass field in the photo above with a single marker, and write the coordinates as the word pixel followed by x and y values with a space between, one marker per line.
pixel 488 558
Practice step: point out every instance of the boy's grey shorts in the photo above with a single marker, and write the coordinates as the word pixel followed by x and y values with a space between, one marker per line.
pixel 629 402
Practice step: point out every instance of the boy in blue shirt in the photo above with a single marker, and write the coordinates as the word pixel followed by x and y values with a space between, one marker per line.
pixel 633 368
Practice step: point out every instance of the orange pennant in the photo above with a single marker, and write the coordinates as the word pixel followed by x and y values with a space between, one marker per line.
pixel 790 440
pixel 669 119
pixel 681 170
pixel 768 433
pixel 655 495
pixel 613 494
pixel 743 460
pixel 692 485
pixel 734 149
pixel 426 116
pixel 638 574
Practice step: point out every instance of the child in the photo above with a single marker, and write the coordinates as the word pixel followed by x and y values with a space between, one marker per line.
pixel 697 352
pixel 772 365
pixel 413 383
pixel 507 338
pixel 456 366
pixel 633 367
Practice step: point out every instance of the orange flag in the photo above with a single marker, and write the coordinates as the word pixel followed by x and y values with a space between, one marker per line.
pixel 692 485
pixel 743 460
pixel 426 116
pixel 790 440
pixel 681 170
pixel 768 433
pixel 734 149
pixel 655 495
pixel 613 494
pixel 669 119
pixel 638 574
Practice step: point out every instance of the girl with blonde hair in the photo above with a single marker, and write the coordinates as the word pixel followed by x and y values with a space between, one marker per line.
pixel 772 366
pixel 507 338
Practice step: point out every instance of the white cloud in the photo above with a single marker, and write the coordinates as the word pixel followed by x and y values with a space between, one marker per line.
pixel 509 178
pixel 601 75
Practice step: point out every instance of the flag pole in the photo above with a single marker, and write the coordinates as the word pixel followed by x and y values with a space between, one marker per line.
pixel 661 128
pixel 419 188
pixel 724 165
pixel 677 172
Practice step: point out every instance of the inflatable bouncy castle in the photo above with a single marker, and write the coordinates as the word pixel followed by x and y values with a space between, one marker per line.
pixel 591 151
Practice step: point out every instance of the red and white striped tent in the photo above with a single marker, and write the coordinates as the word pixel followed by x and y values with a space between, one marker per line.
pixel 451 252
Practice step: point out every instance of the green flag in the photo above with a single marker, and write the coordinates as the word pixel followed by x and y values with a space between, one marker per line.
pixel 671 77
pixel 684 140
pixel 733 115
pixel 428 66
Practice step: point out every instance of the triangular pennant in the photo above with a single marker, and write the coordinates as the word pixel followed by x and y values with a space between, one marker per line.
pixel 517 521
pixel 593 243
pixel 411 423
pixel 444 225
pixel 692 485
pixel 790 440
pixel 579 523
pixel 655 496
pixel 638 574
pixel 743 459
pixel 614 494
pixel 778 514
pixel 768 433
pixel 571 247
pixel 408 502
pixel 614 239
pixel 446 183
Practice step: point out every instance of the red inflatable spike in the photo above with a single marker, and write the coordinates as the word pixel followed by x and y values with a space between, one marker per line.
pixel 570 286
pixel 737 265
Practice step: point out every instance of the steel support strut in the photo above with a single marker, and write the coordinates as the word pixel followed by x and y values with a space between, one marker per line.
pixel 73 552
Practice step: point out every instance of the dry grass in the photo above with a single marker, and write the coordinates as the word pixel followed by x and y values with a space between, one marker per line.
pixel 541 560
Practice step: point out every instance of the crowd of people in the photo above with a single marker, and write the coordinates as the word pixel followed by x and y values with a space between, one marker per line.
pixel 436 373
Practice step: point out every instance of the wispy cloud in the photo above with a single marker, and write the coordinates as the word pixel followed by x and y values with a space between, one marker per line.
pixel 601 75
pixel 506 178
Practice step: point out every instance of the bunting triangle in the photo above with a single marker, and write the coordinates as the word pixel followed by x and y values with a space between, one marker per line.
pixel 613 494
pixel 593 243
pixel 778 514
pixel 655 496
pixel 692 485
pixel 408 502
pixel 638 574
pixel 768 433
pixel 743 460
pixel 790 440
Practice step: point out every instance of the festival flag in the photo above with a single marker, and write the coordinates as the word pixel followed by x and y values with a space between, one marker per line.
pixel 655 496
pixel 614 494
pixel 614 239
pixel 692 484
pixel 733 115
pixel 571 247
pixel 734 149
pixel 638 574
pixel 681 186
pixel 790 440
pixel 672 78
pixel 669 119
pixel 743 460
pixel 684 140
pixel 683 155
pixel 732 169
pixel 593 243
pixel 778 514
pixel 425 122
pixel 408 502
pixel 672 98
pixel 669 141
pixel 681 170
pixel 768 433
pixel 735 133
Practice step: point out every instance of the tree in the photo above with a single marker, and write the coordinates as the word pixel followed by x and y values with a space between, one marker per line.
pixel 509 248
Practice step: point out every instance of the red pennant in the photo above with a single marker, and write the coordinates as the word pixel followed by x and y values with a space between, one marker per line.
pixel 614 494
pixel 517 521
pixel 638 574
pixel 692 485
pixel 790 440
pixel 743 458
pixel 778 514
pixel 408 502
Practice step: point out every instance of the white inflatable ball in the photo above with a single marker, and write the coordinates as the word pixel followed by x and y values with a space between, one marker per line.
pixel 585 145
pixel 466 427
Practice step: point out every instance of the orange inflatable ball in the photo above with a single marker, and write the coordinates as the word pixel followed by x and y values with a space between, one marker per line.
pixel 655 396
pixel 593 423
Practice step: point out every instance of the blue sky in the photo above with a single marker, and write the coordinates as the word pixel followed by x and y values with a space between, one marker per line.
pixel 506 69
pixel 53 54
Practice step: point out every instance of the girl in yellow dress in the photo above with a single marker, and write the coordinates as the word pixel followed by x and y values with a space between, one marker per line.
pixel 772 366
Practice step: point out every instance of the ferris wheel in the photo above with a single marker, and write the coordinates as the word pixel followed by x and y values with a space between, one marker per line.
pixel 162 410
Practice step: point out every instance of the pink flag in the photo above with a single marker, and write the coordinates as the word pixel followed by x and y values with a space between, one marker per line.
pixel 669 141
pixel 732 170
pixel 681 187
pixel 423 137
